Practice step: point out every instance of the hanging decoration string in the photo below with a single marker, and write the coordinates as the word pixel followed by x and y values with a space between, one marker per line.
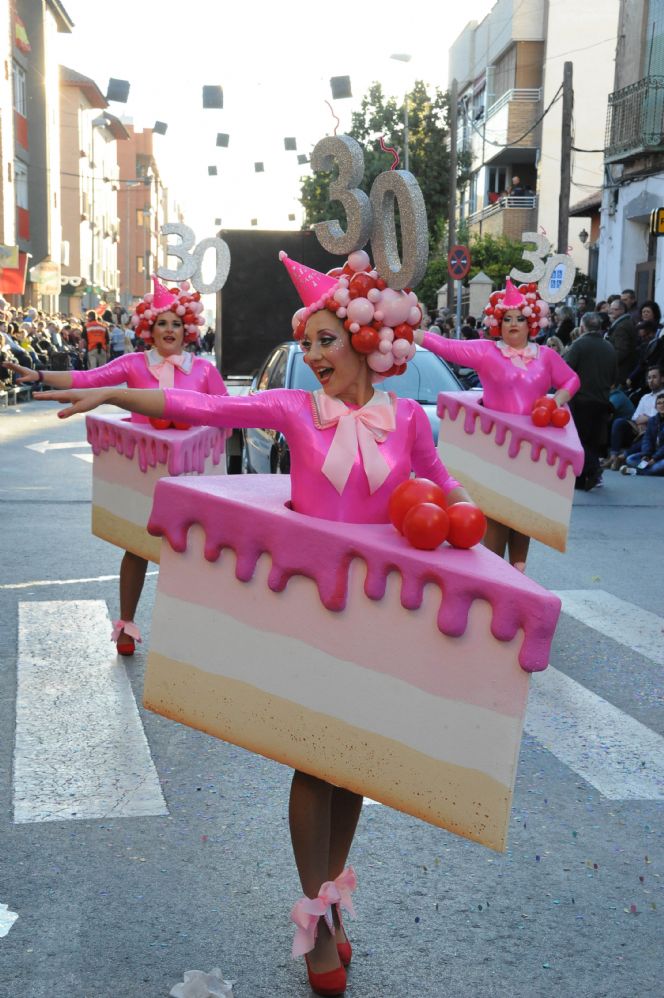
pixel 338 120
pixel 392 150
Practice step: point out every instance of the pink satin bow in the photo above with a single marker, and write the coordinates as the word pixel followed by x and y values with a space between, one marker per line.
pixel 306 912
pixel 346 883
pixel 364 428
pixel 520 358
pixel 130 629
pixel 165 370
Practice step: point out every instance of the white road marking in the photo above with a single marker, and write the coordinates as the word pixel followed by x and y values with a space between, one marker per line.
pixel 618 755
pixel 629 625
pixel 46 445
pixel 7 919
pixel 64 582
pixel 84 457
pixel 81 751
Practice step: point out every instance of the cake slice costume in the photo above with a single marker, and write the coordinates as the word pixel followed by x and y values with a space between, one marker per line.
pixel 520 474
pixel 315 634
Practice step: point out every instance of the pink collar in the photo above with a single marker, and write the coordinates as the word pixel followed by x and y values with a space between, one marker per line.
pixel 163 368
pixel 520 358
pixel 362 429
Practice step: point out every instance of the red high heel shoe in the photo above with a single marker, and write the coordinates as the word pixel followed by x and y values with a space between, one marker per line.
pixel 329 983
pixel 306 913
pixel 125 634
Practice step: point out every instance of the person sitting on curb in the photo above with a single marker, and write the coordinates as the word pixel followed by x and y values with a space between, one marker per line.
pixel 650 461
pixel 626 433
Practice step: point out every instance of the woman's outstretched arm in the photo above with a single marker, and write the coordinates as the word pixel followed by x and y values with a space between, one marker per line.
pixel 146 401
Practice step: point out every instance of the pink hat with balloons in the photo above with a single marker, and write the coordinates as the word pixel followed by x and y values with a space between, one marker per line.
pixel 526 299
pixel 181 300
pixel 381 321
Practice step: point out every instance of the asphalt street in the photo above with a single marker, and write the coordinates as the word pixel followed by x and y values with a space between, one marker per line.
pixel 120 906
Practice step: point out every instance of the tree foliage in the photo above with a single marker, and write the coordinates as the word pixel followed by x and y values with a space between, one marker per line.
pixel 496 256
pixel 429 157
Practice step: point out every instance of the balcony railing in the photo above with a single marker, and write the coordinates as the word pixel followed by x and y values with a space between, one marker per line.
pixel 532 95
pixel 506 203
pixel 635 119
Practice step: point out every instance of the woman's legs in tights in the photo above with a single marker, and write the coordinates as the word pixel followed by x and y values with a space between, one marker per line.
pixel 502 539
pixel 132 577
pixel 323 819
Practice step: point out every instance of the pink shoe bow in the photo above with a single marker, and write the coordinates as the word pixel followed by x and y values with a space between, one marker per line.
pixel 306 912
pixel 130 629
pixel 346 883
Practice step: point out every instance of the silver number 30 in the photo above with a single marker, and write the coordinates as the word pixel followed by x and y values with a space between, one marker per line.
pixel 373 218
pixel 191 264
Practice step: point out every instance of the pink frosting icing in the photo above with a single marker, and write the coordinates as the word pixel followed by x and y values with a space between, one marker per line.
pixel 182 451
pixel 561 446
pixel 507 388
pixel 252 515
pixel 133 370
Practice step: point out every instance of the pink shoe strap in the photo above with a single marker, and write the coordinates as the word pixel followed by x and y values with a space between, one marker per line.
pixel 306 913
pixel 130 629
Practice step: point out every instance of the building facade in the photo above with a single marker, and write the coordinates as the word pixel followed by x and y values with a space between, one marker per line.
pixel 629 256
pixel 509 70
pixel 89 194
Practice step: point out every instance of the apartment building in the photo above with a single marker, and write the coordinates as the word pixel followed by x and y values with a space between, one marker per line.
pixel 89 194
pixel 629 256
pixel 509 70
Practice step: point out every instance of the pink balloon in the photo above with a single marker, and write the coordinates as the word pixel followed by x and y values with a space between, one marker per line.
pixel 385 346
pixel 414 317
pixel 358 261
pixel 400 349
pixel 394 306
pixel 360 310
pixel 342 295
pixel 386 333
pixel 379 362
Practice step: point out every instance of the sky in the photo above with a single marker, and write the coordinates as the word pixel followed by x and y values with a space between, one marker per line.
pixel 274 62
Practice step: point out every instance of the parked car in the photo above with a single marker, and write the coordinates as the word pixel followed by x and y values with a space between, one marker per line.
pixel 266 451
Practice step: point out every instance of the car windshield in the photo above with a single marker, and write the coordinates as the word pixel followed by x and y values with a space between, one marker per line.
pixel 426 375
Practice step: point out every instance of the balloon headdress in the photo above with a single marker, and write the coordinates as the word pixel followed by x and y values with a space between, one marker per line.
pixel 380 320
pixel 526 299
pixel 180 300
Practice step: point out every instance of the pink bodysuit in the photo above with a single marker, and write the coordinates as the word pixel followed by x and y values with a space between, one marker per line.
pixel 507 387
pixel 142 370
pixel 408 447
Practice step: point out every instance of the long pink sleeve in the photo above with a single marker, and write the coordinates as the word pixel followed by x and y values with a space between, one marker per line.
pixel 408 448
pixel 132 369
pixel 507 388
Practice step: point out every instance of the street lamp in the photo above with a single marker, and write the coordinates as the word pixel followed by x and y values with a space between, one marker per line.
pixel 404 57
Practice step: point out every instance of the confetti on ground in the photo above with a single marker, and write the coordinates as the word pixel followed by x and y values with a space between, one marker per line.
pixel 198 984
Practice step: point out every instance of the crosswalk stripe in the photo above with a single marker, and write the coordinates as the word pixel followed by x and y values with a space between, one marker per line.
pixel 618 755
pixel 629 625
pixel 81 751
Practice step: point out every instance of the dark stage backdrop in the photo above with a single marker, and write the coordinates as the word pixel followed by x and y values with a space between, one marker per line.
pixel 257 303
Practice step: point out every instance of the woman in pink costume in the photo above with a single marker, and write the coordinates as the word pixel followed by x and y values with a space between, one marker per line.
pixel 350 446
pixel 166 320
pixel 514 372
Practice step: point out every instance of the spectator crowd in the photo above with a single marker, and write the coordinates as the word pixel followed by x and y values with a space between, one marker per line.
pixel 39 341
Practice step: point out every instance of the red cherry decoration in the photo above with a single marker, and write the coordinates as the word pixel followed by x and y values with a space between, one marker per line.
pixel 160 424
pixel 426 526
pixel 366 340
pixel 541 416
pixel 403 332
pixel 467 525
pixel 413 492
pixel 547 401
pixel 361 285
pixel 560 418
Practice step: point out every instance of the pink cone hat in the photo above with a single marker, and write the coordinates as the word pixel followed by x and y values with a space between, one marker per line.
pixel 512 297
pixel 162 298
pixel 312 286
